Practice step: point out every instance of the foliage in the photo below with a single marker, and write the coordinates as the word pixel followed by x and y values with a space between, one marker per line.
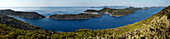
pixel 12 22
pixel 119 12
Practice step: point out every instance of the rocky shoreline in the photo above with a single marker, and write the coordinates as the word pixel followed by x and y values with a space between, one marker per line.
pixel 21 14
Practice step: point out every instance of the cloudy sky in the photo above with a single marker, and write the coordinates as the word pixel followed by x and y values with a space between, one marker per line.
pixel 70 3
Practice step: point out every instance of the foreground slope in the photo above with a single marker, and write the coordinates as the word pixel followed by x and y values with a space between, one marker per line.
pixel 12 22
pixel 154 27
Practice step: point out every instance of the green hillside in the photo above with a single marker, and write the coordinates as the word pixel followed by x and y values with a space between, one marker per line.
pixel 12 22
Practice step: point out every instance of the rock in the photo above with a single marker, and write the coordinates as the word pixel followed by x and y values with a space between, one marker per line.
pixel 21 14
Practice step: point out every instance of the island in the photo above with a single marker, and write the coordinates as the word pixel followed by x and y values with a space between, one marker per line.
pixel 119 12
pixel 21 14
pixel 74 16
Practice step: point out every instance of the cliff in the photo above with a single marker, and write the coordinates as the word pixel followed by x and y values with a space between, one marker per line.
pixel 21 14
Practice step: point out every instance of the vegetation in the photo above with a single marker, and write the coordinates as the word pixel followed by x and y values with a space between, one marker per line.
pixel 12 22
pixel 107 10
pixel 21 14
pixel 91 10
pixel 74 16
pixel 119 12
pixel 154 27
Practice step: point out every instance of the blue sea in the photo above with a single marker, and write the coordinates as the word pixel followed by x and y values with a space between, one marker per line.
pixel 103 22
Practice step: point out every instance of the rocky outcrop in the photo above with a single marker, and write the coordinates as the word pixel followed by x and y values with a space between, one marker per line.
pixel 74 16
pixel 21 14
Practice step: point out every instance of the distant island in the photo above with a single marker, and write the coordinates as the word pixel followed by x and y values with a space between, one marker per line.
pixel 119 12
pixel 21 14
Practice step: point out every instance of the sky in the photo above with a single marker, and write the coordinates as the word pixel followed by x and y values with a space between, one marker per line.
pixel 70 3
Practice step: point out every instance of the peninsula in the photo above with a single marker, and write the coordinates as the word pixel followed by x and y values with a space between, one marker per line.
pixel 21 14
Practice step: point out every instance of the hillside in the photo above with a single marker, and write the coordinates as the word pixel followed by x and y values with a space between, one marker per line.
pixel 154 27
pixel 12 22
pixel 21 14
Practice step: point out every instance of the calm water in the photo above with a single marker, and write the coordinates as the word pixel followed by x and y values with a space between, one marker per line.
pixel 103 22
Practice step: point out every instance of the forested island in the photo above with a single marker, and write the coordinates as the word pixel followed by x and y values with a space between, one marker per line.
pixel 75 16
pixel 21 14
pixel 119 12
pixel 154 27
